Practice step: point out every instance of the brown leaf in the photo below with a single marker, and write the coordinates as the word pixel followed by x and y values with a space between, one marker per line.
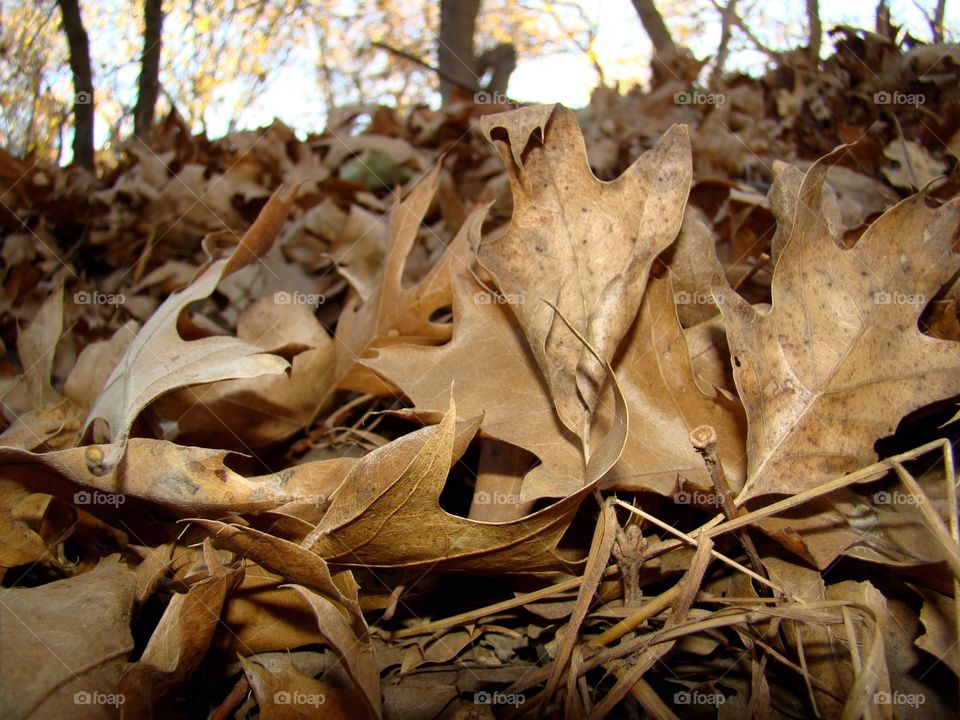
pixel 159 360
pixel 65 645
pixel 397 487
pixel 355 651
pixel 191 481
pixel 180 640
pixel 583 245
pixel 487 351
pixel 838 359
pixel 255 412
pixel 666 403
pixel 291 695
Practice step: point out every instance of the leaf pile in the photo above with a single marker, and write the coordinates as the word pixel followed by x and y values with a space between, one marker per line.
pixel 469 414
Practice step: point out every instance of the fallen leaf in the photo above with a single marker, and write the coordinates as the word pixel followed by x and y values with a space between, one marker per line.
pixel 580 244
pixel 809 371
pixel 65 644
pixel 158 360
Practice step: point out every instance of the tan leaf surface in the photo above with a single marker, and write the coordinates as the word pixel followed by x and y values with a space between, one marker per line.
pixel 258 411
pixel 181 639
pixel 188 480
pixel 291 695
pixel 63 646
pixel 396 313
pixel 158 360
pixel 581 244
pixel 355 651
pixel 487 350
pixel 939 621
pixel 397 487
pixel 838 359
pixel 666 403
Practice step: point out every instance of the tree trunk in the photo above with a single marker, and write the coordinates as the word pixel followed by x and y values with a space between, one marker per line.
pixel 656 28
pixel 82 82
pixel 149 85
pixel 726 31
pixel 936 25
pixel 456 58
pixel 883 26
pixel 816 29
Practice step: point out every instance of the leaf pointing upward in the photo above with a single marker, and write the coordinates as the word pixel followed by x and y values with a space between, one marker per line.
pixel 582 245
pixel 158 360
pixel 839 359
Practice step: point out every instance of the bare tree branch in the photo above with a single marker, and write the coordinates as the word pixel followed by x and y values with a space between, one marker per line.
pixel 149 84
pixel 726 31
pixel 79 45
pixel 816 29
pixel 656 28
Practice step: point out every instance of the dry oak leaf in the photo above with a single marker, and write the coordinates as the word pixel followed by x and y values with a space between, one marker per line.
pixel 290 695
pixel 583 245
pixel 397 487
pixel 181 639
pixel 486 354
pixel 255 412
pixel 838 359
pixel 66 638
pixel 158 360
pixel 666 403
pixel 396 313
pixel 187 480
pixel 355 652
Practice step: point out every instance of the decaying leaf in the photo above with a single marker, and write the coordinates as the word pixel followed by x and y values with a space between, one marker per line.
pixel 65 645
pixel 579 244
pixel 838 359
